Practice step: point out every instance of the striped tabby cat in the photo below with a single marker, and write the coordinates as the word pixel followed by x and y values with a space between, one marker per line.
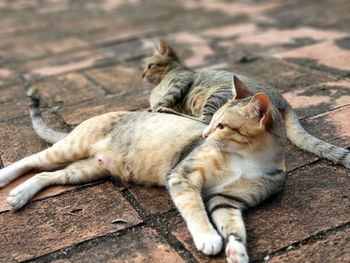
pixel 201 94
pixel 212 173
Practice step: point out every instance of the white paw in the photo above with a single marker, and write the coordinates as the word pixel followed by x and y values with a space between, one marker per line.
pixel 235 251
pixel 17 198
pixel 208 243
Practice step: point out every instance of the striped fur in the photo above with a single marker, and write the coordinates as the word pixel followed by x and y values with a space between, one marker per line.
pixel 207 91
pixel 237 164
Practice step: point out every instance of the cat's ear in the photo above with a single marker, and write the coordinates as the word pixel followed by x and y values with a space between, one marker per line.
pixel 239 90
pixel 261 105
pixel 164 49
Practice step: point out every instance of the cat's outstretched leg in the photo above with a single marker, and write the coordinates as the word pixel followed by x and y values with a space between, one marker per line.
pixel 79 172
pixel 63 152
pixel 185 190
pixel 227 217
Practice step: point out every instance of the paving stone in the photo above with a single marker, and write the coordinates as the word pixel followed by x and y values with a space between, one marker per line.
pixel 287 37
pixel 198 51
pixel 67 89
pixel 327 53
pixel 310 196
pixel 306 13
pixel 333 126
pixel 119 79
pixel 14 27
pixel 141 245
pixel 296 157
pixel 72 218
pixel 322 97
pixel 61 64
pixel 14 109
pixel 281 75
pixel 133 100
pixel 276 41
pixel 152 199
pixel 110 35
pixel 334 248
pixel 8 76
pixel 232 9
pixel 229 31
pixel 24 48
pixel 21 48
pixel 66 44
pixel 18 140
pixel 162 16
pixel 17 5
pixel 80 60
pixel 11 93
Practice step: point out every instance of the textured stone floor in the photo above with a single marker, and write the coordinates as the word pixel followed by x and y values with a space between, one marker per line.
pixel 85 58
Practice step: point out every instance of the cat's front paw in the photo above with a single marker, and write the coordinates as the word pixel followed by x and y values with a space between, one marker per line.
pixel 235 251
pixel 208 243
pixel 17 198
pixel 160 109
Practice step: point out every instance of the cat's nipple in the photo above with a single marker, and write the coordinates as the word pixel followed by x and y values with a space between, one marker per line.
pixel 100 159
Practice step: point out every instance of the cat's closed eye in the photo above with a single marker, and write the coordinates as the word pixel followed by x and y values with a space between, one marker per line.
pixel 220 126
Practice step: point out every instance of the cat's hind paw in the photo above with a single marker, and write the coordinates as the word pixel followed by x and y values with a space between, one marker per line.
pixel 208 243
pixel 17 199
pixel 236 251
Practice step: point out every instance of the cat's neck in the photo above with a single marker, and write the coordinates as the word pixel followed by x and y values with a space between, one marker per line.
pixel 256 164
pixel 176 69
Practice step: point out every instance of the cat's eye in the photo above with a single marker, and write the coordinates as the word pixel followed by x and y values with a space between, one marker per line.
pixel 150 65
pixel 220 126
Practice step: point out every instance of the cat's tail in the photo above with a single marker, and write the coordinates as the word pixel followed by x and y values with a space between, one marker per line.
pixel 301 138
pixel 40 128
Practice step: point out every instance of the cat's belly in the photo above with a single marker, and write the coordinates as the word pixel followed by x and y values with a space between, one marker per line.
pixel 145 150
pixel 146 169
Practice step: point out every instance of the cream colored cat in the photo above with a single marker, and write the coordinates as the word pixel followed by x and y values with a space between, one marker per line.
pixel 212 173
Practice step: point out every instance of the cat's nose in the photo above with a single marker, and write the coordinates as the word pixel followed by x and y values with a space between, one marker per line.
pixel 206 132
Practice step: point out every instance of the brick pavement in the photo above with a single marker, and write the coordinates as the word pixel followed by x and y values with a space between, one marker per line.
pixel 85 58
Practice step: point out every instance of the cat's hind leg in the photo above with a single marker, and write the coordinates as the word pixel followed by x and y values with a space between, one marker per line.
pixel 226 215
pixel 59 154
pixel 79 172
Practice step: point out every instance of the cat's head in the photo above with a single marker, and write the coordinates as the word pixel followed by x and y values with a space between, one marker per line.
pixel 160 63
pixel 245 123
